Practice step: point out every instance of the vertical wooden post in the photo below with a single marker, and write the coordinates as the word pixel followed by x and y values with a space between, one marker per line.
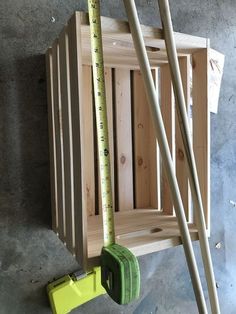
pixel 155 176
pixel 124 158
pixel 52 141
pixel 59 141
pixel 201 127
pixel 86 107
pixel 78 129
pixel 168 116
pixel 181 162
pixel 110 118
pixel 67 138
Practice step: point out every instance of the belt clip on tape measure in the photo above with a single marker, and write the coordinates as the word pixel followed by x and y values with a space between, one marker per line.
pixel 120 274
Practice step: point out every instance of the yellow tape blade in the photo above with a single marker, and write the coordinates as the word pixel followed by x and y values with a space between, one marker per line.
pixel 101 121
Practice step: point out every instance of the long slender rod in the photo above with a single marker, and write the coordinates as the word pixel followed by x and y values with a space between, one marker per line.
pixel 192 170
pixel 165 152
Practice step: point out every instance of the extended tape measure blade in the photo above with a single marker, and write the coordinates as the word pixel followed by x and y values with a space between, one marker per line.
pixel 120 270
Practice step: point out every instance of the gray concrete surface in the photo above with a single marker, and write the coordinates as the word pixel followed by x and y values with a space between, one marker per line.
pixel 30 254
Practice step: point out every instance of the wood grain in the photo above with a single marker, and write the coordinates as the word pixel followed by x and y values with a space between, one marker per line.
pixel 168 115
pixel 181 162
pixel 67 139
pixel 78 131
pixel 124 159
pixel 88 140
pixel 110 120
pixel 201 127
pixel 145 148
pixel 59 141
pixel 143 231
pixel 52 141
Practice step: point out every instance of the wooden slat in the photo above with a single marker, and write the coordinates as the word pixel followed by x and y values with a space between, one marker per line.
pixel 119 30
pixel 110 117
pixel 78 129
pixel 124 160
pixel 109 103
pixel 52 141
pixel 88 140
pixel 121 59
pixel 143 231
pixel 168 115
pixel 59 141
pixel 155 176
pixel 145 148
pixel 67 138
pixel 201 126
pixel 72 143
pixel 181 162
pixel 116 63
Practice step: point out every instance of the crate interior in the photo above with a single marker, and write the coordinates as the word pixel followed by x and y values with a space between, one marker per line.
pixel 144 214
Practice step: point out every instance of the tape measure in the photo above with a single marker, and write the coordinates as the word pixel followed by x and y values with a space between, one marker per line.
pixel 120 274
pixel 101 122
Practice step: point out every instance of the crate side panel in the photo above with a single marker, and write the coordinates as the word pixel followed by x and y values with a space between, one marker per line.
pixel 67 138
pixel 78 131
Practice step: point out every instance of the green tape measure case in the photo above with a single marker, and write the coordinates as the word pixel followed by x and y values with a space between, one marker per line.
pixel 120 273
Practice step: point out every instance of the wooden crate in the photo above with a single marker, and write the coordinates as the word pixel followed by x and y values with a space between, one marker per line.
pixel 144 214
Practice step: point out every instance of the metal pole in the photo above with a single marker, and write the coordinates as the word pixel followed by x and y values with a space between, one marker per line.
pixel 192 171
pixel 165 152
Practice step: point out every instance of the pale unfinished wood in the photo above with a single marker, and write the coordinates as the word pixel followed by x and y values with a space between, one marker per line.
pixel 168 115
pixel 181 162
pixel 145 148
pixel 67 139
pixel 110 117
pixel 119 30
pixel 88 140
pixel 52 141
pixel 59 141
pixel 118 46
pixel 78 129
pixel 110 120
pixel 143 231
pixel 201 126
pixel 124 160
pixel 155 176
pixel 126 58
pixel 136 229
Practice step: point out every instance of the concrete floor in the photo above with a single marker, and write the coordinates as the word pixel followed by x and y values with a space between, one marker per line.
pixel 30 253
